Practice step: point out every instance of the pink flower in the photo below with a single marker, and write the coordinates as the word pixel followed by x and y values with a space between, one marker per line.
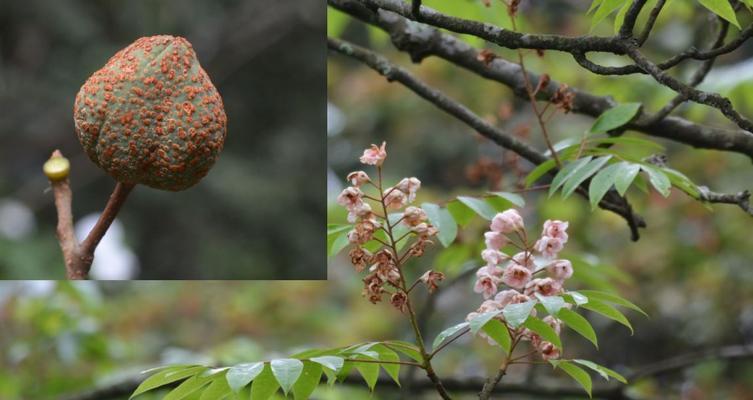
pixel 425 230
pixel 507 222
pixel 490 270
pixel 560 269
pixel 414 216
pixel 487 306
pixel 548 351
pixel 554 323
pixel 486 285
pixel 495 240
pixel 430 279
pixel 409 186
pixel 493 257
pixel 524 259
pixel 394 198
pixel 350 197
pixel 548 246
pixel 362 210
pixel 516 276
pixel 358 178
pixel 556 229
pixel 374 155
pixel 399 300
pixel 505 297
pixel 543 286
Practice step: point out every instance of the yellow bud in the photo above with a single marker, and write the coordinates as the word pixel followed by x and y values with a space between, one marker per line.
pixel 57 168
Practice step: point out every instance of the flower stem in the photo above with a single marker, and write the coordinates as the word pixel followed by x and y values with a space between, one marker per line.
pixel 426 358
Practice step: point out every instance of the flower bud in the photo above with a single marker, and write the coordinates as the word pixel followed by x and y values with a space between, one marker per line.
pixel 57 167
pixel 151 115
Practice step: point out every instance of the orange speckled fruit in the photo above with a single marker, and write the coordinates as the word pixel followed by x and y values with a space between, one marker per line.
pixel 151 115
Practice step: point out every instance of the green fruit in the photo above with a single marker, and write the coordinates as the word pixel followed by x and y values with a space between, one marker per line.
pixel 151 115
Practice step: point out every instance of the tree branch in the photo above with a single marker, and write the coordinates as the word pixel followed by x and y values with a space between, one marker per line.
pixel 741 199
pixel 391 72
pixel 421 41
pixel 78 257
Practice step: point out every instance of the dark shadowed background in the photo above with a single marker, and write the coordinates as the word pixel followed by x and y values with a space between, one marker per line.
pixel 263 195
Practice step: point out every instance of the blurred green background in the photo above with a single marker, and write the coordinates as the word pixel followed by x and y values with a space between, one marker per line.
pixel 268 65
pixel 691 269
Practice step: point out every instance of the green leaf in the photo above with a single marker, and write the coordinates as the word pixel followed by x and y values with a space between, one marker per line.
pixel 544 330
pixel 723 9
pixel 582 174
pixel 445 334
pixel 369 371
pixel 682 182
pixel 309 380
pixel 578 298
pixel 337 243
pixel 567 172
pixel 602 370
pixel 242 374
pixel 658 179
pixel 512 198
pixel 386 354
pixel 553 304
pixel 479 206
pixel 499 333
pixel 406 348
pixel 479 321
pixel 442 220
pixel 601 183
pixel 166 376
pixel 516 314
pixel 605 8
pixel 188 387
pixel 611 298
pixel 461 213
pixel 578 324
pixel 265 385
pixel 287 371
pixel 625 176
pixel 539 171
pixel 332 362
pixel 609 312
pixel 575 372
pixel 593 7
pixel 217 390
pixel 631 141
pixel 615 117
pixel 619 19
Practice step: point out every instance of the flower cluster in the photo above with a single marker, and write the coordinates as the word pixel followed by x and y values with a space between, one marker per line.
pixel 385 263
pixel 518 272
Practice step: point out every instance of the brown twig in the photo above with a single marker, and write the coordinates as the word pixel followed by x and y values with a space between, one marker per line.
pixel 78 257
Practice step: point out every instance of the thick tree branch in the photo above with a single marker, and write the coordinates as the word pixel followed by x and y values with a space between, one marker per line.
pixel 628 23
pixel 500 36
pixel 421 41
pixel 611 202
pixel 578 46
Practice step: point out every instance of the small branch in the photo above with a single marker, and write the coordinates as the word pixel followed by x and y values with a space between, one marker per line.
pixel 650 22
pixel 742 199
pixel 628 23
pixel 66 236
pixel 117 198
pixel 78 257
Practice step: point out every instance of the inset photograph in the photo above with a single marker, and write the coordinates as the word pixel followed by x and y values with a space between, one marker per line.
pixel 162 140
